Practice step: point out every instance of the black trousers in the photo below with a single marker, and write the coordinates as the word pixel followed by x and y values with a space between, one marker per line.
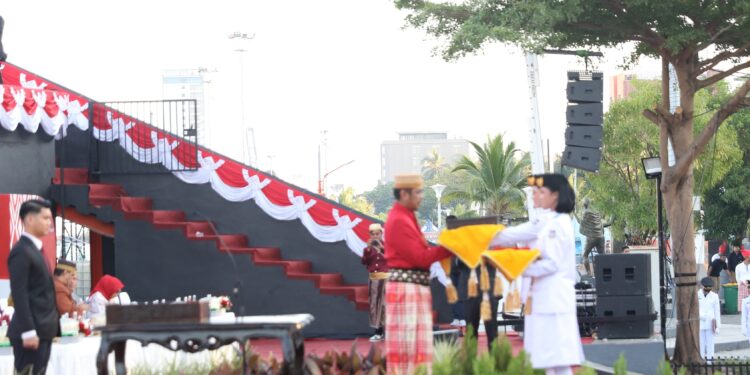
pixel 472 310
pixel 31 361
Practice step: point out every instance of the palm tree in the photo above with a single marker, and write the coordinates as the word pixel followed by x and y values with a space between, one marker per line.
pixel 433 165
pixel 495 181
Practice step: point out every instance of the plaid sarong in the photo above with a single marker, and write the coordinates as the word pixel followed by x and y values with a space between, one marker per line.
pixel 408 329
pixel 741 294
pixel 377 303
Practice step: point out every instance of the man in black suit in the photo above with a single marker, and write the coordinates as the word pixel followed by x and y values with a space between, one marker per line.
pixel 472 310
pixel 35 321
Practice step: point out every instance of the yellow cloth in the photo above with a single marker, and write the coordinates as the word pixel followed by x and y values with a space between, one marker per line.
pixel 469 242
pixel 511 262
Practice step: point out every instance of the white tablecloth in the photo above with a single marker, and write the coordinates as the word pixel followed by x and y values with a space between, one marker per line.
pixel 77 356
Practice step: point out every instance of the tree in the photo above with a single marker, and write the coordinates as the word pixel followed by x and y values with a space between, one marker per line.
pixel 433 165
pixel 381 197
pixel 348 198
pixel 495 181
pixel 694 36
pixel 620 189
pixel 727 205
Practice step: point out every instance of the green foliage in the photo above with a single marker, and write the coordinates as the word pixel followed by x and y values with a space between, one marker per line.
pixel 444 358
pixel 348 198
pixel 727 205
pixel 621 366
pixel 574 24
pixel 496 179
pixel 620 189
pixel 468 352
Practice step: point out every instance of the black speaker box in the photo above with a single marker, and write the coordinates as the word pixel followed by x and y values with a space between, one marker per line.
pixel 622 275
pixel 584 136
pixel 583 158
pixel 624 306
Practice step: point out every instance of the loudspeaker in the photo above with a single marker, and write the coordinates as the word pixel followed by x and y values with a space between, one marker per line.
pixel 583 158
pixel 583 136
pixel 623 275
pixel 585 91
pixel 585 114
pixel 624 306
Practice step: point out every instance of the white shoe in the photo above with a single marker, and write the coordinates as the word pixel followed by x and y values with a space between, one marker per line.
pixel 462 323
pixel 455 323
pixel 376 338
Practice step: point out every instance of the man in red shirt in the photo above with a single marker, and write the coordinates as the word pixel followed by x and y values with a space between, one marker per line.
pixel 408 341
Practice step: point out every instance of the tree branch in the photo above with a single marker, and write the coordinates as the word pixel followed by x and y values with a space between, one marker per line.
pixel 703 83
pixel 708 64
pixel 738 100
pixel 714 37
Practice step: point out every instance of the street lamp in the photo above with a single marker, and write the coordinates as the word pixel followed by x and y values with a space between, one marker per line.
pixel 652 169
pixel 248 134
pixel 438 188
pixel 322 180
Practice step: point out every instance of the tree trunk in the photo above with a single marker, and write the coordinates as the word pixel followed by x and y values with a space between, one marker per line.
pixel 679 204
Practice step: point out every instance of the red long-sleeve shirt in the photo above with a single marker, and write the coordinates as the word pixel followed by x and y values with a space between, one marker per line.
pixel 405 246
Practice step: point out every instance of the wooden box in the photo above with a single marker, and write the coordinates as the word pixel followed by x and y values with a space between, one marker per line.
pixel 179 312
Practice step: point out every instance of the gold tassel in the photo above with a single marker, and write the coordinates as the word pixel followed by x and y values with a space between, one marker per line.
pixel 497 291
pixel 451 293
pixel 484 282
pixel 485 309
pixel 473 290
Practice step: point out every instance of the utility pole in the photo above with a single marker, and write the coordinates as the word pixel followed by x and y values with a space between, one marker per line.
pixel 249 152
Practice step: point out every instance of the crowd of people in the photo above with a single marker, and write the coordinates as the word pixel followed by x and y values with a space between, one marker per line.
pixel 399 259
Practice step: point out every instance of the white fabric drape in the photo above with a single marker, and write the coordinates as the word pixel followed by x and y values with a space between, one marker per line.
pixel 50 110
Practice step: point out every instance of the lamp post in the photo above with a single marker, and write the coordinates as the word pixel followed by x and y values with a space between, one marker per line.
pixel 248 134
pixel 322 180
pixel 652 169
pixel 438 188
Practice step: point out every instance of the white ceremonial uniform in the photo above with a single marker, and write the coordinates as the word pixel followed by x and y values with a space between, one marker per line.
pixel 742 271
pixel 551 334
pixel 745 321
pixel 525 234
pixel 710 310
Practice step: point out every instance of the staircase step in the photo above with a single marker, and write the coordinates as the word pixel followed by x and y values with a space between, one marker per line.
pixel 266 253
pixel 160 216
pixel 73 176
pixel 238 250
pixel 199 229
pixel 298 266
pixel 105 190
pixel 321 279
pixel 130 204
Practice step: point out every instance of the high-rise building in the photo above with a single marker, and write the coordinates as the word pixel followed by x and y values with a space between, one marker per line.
pixel 189 84
pixel 621 86
pixel 406 154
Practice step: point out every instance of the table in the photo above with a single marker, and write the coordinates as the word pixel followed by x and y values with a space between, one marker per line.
pixel 195 337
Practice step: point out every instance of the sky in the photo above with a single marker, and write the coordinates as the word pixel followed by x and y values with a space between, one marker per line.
pixel 350 68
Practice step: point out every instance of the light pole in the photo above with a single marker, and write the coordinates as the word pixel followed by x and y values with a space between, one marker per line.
pixel 438 188
pixel 248 134
pixel 322 180
pixel 652 168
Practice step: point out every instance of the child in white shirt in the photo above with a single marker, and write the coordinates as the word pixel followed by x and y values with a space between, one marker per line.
pixel 710 317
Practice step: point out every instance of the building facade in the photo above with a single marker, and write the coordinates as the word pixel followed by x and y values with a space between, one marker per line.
pixel 406 154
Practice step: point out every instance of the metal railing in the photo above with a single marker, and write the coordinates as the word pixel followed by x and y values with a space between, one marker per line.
pixel 725 366
pixel 176 119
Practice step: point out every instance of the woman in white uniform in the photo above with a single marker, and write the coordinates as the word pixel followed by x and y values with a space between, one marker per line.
pixel 551 327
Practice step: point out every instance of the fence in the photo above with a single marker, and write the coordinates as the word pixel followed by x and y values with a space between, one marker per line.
pixel 725 366
pixel 176 118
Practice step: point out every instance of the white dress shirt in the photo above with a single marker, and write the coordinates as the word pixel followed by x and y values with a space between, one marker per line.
pixel 38 243
pixel 743 272
pixel 710 310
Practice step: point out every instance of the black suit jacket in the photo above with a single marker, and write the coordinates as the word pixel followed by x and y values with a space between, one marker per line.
pixel 33 292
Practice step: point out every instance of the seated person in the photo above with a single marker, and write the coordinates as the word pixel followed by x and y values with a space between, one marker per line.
pixel 105 290
pixel 66 278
